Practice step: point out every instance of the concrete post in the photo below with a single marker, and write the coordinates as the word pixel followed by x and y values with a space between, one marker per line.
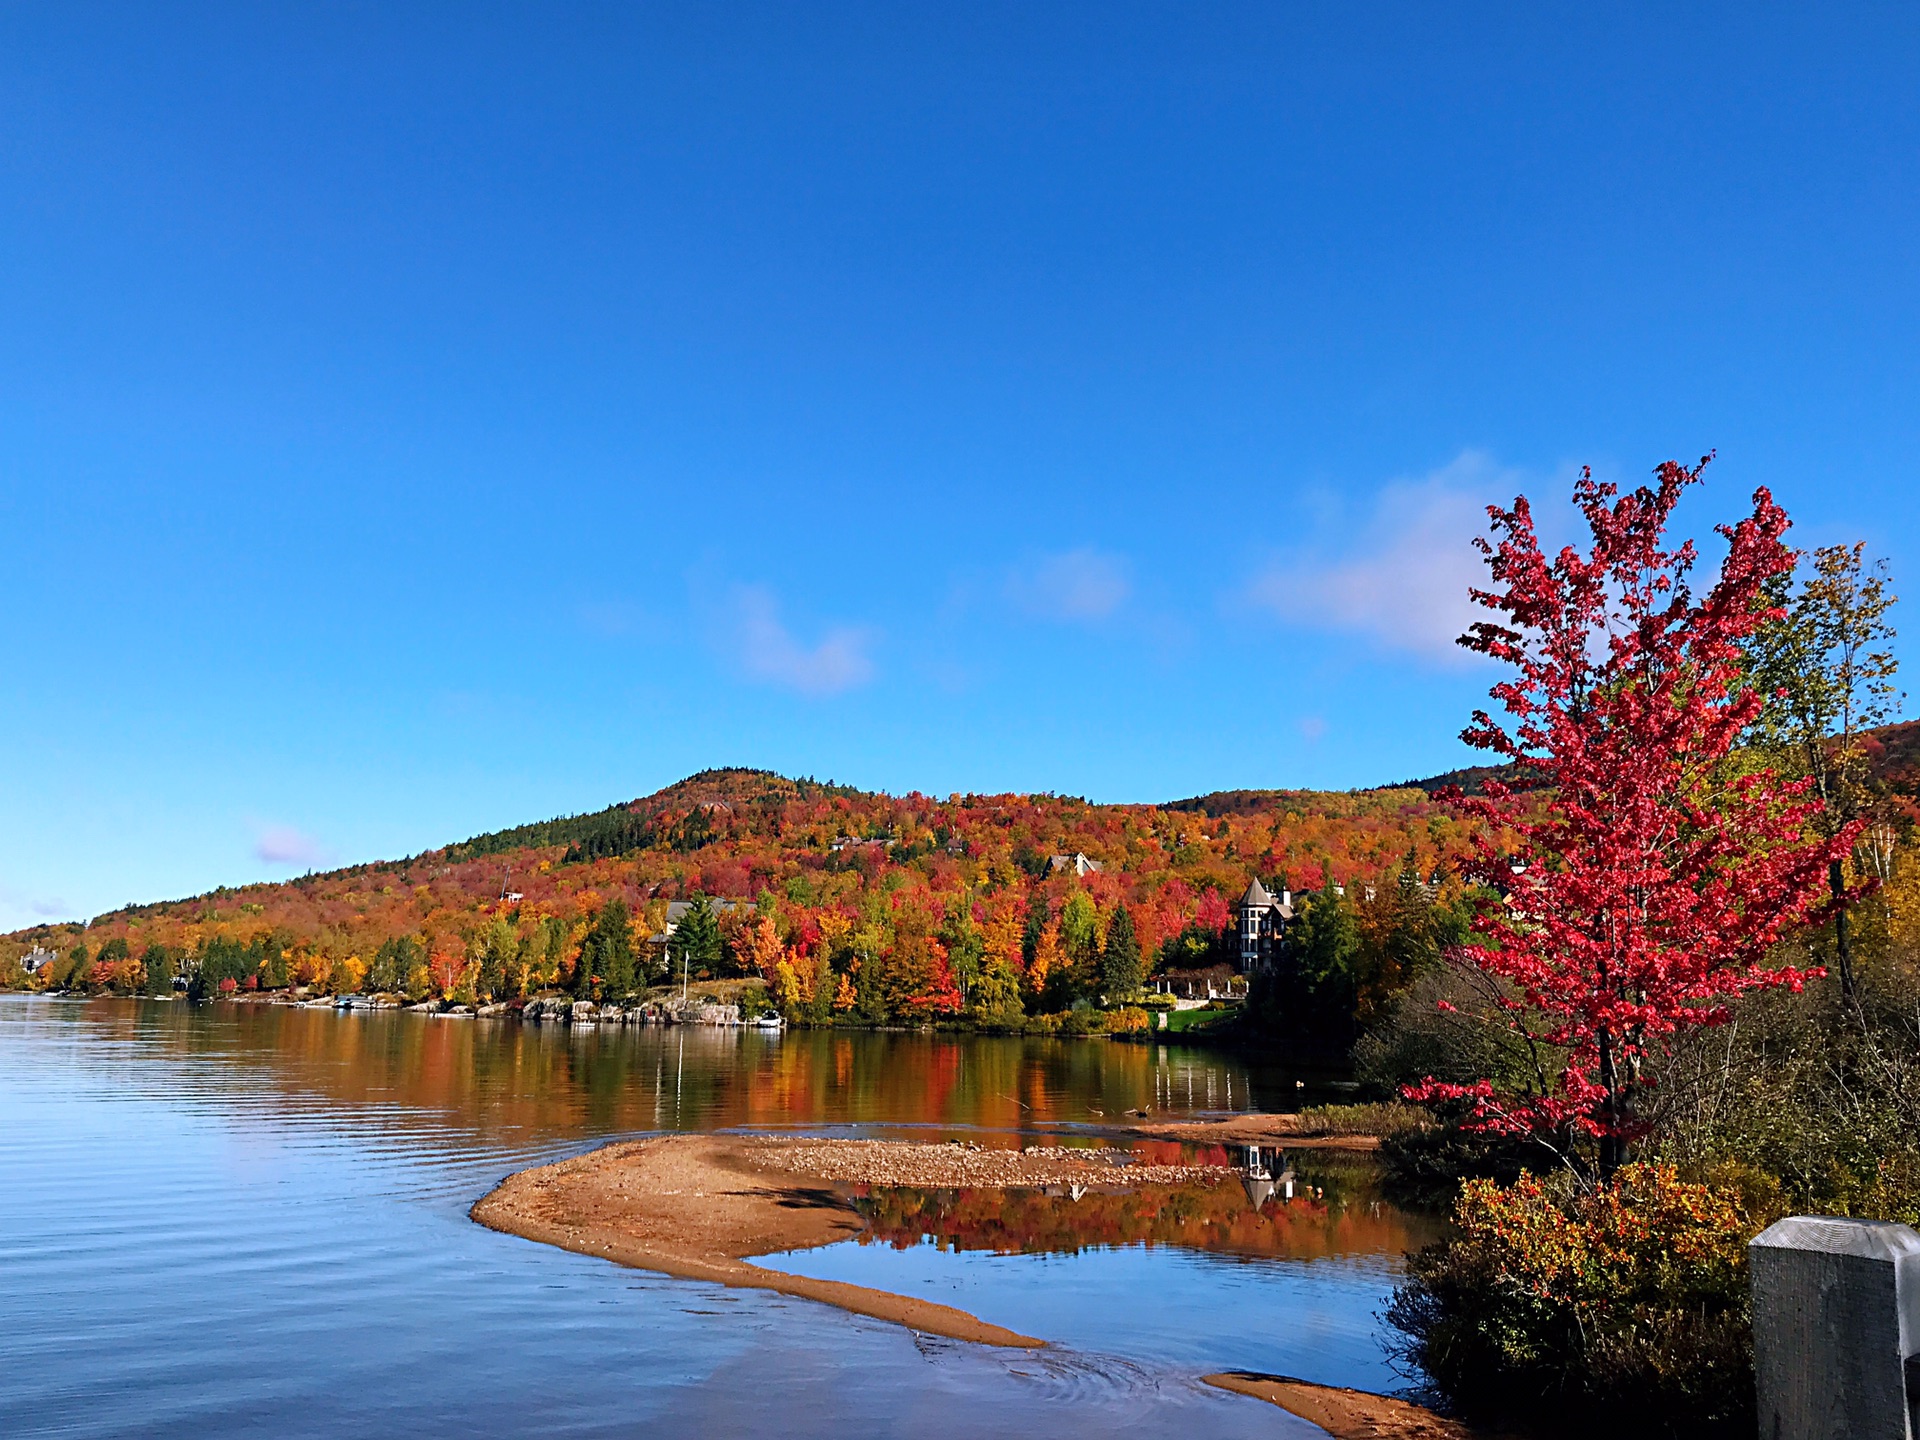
pixel 1836 1317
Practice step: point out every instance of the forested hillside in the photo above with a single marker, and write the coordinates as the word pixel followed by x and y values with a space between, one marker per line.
pixel 869 906
pixel 865 907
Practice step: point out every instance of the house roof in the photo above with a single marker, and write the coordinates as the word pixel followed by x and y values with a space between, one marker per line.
pixel 1256 896
pixel 1077 862
pixel 677 909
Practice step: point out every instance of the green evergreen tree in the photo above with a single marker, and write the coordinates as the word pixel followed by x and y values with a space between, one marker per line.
pixel 696 939
pixel 1079 977
pixel 553 949
pixel 965 945
pixel 1121 973
pixel 607 953
pixel 1037 917
pixel 221 958
pixel 499 955
pixel 392 964
pixel 79 962
pixel 271 960
pixel 1323 946
pixel 585 964
pixel 158 963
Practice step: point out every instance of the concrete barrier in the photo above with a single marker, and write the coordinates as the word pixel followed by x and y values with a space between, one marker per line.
pixel 1836 1327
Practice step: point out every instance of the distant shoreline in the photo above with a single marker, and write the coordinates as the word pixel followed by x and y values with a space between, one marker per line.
pixel 557 1009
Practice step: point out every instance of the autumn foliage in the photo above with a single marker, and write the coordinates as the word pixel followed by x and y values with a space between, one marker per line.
pixel 1647 893
pixel 1628 1303
pixel 850 906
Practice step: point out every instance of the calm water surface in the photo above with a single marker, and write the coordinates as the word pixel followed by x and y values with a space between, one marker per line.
pixel 250 1220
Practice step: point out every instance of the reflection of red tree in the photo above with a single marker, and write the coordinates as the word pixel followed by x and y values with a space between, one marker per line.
pixel 1217 1217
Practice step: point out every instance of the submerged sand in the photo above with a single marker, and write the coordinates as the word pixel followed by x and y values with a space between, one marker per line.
pixel 699 1207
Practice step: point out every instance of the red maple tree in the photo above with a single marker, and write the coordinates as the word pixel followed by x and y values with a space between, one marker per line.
pixel 1645 878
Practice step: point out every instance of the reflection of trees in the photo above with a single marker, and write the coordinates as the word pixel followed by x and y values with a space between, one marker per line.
pixel 1216 1217
pixel 546 1079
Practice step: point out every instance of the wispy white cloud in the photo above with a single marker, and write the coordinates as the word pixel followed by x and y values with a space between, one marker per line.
pixel 766 650
pixel 284 845
pixel 1081 584
pixel 1404 581
pixel 16 903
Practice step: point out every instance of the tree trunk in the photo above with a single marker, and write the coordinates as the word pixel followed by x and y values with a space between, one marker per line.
pixel 1842 933
pixel 1612 1148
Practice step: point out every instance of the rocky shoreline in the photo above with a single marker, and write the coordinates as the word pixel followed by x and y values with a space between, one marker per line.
pixel 550 1010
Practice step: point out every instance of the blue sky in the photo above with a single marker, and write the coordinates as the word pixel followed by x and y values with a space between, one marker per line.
pixel 419 419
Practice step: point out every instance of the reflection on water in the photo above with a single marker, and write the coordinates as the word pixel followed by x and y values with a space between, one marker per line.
pixel 1220 1276
pixel 500 1076
pixel 1334 1214
pixel 249 1220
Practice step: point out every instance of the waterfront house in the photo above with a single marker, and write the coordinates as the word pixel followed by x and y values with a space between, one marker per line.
pixel 1264 918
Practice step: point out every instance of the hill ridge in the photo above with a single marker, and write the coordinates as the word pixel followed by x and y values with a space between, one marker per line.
pixel 707 807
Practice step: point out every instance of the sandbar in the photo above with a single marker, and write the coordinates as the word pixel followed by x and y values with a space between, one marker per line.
pixel 1345 1414
pixel 699 1207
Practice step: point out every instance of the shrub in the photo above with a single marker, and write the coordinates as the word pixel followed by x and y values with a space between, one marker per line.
pixel 1625 1305
pixel 1130 1021
pixel 1390 1117
pixel 1082 1021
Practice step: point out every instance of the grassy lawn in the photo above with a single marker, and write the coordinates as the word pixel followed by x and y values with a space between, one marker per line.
pixel 1179 1020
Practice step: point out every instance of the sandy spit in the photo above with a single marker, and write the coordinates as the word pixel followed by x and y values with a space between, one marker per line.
pixel 698 1207
pixel 695 1206
pixel 1346 1414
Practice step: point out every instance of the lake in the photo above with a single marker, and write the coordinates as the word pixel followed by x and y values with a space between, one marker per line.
pixel 245 1219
